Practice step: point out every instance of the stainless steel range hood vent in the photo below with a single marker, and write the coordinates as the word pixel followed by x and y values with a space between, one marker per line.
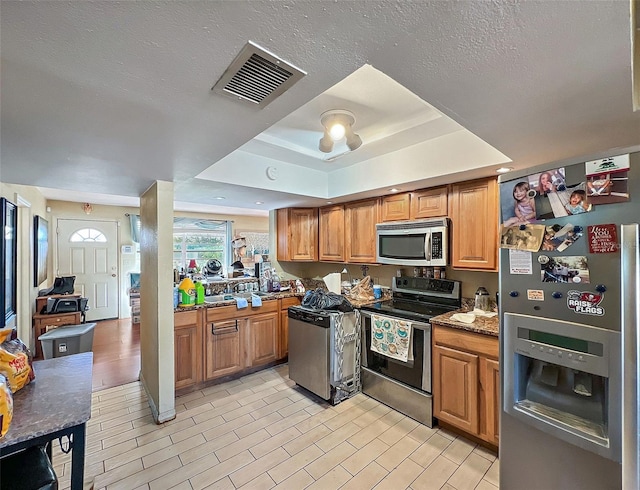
pixel 257 76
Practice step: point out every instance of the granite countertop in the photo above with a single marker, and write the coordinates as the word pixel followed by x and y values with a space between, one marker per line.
pixel 483 325
pixel 309 284
pixel 230 302
pixel 58 398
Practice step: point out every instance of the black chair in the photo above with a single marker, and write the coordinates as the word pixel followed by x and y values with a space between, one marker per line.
pixel 30 469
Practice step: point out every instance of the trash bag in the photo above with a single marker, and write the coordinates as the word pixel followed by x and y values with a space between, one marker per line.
pixel 61 285
pixel 320 299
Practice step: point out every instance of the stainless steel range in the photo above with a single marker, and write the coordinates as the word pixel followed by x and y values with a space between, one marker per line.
pixel 396 343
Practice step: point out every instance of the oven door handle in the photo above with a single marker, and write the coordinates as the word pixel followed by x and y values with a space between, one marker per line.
pixel 427 246
pixel 414 324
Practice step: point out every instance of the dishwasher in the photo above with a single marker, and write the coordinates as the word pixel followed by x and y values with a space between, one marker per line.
pixel 324 352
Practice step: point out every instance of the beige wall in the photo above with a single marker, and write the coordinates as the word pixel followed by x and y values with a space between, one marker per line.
pixel 156 300
pixel 30 203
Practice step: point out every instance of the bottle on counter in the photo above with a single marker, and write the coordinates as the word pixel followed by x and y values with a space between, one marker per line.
pixel 176 296
pixel 187 292
pixel 199 293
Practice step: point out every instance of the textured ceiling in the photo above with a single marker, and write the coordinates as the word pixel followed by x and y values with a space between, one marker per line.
pixel 108 97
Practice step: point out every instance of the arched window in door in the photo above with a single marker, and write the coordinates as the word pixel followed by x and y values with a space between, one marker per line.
pixel 88 235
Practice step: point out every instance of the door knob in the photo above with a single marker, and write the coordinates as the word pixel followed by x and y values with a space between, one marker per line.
pixel 113 275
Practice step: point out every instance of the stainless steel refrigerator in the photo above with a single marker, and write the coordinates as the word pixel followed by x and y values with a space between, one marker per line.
pixel 569 306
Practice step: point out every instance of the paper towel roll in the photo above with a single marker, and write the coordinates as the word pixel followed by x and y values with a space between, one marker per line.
pixel 333 282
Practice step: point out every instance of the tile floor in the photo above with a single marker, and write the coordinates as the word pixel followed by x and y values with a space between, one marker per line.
pixel 262 432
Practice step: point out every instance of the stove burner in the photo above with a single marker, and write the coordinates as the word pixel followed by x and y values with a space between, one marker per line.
pixel 408 309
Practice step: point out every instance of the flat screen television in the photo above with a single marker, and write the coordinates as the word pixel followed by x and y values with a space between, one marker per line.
pixel 8 262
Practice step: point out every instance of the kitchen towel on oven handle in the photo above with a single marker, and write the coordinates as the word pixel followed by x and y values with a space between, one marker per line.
pixel 392 337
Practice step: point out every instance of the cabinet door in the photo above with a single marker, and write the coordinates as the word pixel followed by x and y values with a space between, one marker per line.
pixel 283 335
pixel 360 220
pixel 331 233
pixel 395 207
pixel 187 355
pixel 473 209
pixel 283 328
pixel 489 400
pixel 224 348
pixel 263 336
pixel 429 203
pixel 455 388
pixel 297 230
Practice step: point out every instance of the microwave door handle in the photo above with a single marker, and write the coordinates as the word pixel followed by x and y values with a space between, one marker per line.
pixel 427 246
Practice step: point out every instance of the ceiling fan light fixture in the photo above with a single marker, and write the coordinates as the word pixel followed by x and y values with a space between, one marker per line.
pixel 326 143
pixel 338 125
pixel 337 131
pixel 353 140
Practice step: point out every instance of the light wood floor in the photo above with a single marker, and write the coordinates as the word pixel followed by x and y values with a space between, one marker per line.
pixel 259 432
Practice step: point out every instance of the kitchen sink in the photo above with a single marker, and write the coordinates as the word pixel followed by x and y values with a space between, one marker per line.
pixel 230 296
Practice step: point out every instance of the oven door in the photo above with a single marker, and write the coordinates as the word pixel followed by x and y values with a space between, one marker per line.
pixel 416 373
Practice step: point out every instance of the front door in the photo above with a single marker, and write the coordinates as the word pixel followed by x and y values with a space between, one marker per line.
pixel 88 249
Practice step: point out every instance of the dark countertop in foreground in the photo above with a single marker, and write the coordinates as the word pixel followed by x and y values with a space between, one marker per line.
pixel 483 325
pixel 58 398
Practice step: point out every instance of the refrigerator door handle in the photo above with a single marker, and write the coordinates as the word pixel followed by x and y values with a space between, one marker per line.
pixel 630 272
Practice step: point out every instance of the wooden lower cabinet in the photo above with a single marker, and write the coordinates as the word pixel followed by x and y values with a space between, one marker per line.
pixel 224 349
pixel 466 381
pixel 188 348
pixel 283 330
pixel 455 375
pixel 263 338
pixel 489 400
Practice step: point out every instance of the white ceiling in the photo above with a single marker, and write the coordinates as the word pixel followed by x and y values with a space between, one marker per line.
pixel 107 97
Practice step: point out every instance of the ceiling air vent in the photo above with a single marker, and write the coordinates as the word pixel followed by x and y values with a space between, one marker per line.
pixel 257 76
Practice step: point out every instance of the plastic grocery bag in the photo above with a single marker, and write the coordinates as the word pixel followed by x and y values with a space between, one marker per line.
pixel 6 405
pixel 15 361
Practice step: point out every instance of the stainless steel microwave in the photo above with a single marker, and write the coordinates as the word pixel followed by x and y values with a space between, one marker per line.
pixel 417 243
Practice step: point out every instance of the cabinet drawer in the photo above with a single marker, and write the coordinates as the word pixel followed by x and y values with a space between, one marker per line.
pixel 224 312
pixel 185 318
pixel 57 320
pixel 287 302
pixel 468 341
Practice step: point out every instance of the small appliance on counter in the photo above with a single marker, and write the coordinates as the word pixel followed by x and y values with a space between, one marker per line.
pixel 482 300
pixel 263 273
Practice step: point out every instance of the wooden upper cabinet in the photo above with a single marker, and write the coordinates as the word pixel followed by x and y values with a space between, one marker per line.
pixel 395 207
pixel 473 209
pixel 429 203
pixel 360 220
pixel 331 233
pixel 297 230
